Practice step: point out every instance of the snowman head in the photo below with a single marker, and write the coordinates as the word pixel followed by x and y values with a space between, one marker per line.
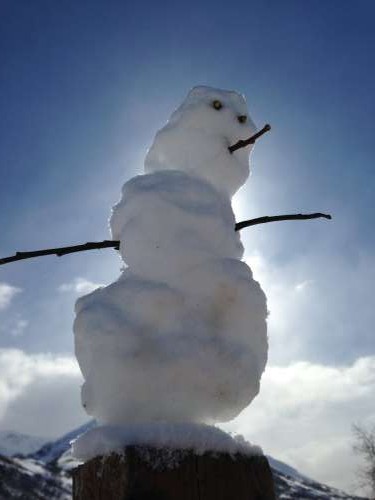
pixel 197 136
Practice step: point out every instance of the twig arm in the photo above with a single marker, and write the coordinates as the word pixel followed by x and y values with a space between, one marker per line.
pixel 276 218
pixel 91 245
pixel 96 245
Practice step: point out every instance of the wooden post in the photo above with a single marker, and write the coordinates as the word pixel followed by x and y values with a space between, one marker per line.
pixel 144 473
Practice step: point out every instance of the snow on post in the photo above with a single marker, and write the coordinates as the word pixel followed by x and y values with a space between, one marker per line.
pixel 180 337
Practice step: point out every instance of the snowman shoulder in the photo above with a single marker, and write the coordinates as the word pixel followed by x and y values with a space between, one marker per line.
pixel 168 190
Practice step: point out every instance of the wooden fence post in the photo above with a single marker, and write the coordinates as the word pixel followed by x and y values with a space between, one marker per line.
pixel 144 473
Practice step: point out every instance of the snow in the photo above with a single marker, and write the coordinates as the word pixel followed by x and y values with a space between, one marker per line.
pixel 53 451
pixel 31 466
pixel 170 222
pixel 15 443
pixel 297 487
pixel 286 469
pixel 196 138
pixel 180 336
pixel 199 438
pixel 50 478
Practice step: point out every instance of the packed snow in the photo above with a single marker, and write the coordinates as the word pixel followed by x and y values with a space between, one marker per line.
pixel 46 475
pixel 199 438
pixel 197 136
pixel 181 335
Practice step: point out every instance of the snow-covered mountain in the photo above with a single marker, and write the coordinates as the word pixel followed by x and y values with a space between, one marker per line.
pixel 15 443
pixel 53 451
pixel 291 485
pixel 45 474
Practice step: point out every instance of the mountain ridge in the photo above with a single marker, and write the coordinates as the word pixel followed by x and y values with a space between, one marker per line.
pixel 46 474
pixel 12 443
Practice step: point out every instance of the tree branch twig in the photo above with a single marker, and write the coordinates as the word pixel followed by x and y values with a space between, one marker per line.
pixel 276 218
pixel 96 245
pixel 91 245
pixel 251 140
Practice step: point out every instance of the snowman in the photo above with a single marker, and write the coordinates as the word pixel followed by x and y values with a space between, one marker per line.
pixel 181 335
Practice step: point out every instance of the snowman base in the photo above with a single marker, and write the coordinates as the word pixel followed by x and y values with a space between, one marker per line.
pixel 145 473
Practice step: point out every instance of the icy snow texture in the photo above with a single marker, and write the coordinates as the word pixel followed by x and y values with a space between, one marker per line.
pixel 196 437
pixel 181 335
pixel 170 222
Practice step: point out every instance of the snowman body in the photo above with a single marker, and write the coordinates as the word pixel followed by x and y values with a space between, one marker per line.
pixel 181 335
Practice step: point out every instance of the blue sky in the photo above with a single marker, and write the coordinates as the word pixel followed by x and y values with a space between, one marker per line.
pixel 83 88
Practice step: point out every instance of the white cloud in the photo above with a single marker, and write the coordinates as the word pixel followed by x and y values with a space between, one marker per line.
pixel 39 393
pixel 7 292
pixel 13 325
pixel 300 287
pixel 320 314
pixel 320 309
pixel 18 327
pixel 79 285
pixel 321 375
pixel 304 415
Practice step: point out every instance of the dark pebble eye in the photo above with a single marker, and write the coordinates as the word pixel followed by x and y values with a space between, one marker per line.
pixel 242 118
pixel 217 104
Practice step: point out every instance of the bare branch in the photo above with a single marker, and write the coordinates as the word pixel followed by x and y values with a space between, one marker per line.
pixel 96 245
pixel 364 446
pixel 251 140
pixel 276 218
pixel 91 245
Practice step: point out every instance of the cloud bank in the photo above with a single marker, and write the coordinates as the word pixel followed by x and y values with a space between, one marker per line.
pixel 80 286
pixel 304 416
pixel 320 379
pixel 320 307
pixel 39 393
pixel 7 293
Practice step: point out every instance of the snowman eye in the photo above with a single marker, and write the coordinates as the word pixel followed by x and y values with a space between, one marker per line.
pixel 242 118
pixel 217 104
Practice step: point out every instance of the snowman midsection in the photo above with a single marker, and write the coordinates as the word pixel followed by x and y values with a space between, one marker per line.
pixel 206 338
pixel 209 389
pixel 169 222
